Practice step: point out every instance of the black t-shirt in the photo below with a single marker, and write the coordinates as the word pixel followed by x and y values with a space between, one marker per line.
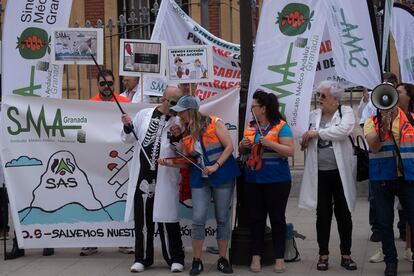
pixel 151 144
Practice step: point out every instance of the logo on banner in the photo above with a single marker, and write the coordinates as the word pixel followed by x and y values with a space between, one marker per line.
pixel 294 19
pixel 409 65
pixel 58 125
pixel 33 43
pixel 61 167
pixel 352 43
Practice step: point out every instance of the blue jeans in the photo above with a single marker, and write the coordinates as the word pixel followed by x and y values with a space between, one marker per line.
pixel 222 196
pixel 373 221
pixel 384 193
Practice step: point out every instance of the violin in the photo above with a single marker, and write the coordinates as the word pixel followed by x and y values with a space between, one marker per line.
pixel 255 158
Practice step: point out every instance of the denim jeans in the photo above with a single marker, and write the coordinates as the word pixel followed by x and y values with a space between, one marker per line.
pixel 384 193
pixel 222 196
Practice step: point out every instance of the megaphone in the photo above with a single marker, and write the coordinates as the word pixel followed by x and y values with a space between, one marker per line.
pixel 384 96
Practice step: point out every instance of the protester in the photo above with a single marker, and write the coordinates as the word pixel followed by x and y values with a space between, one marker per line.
pixel 132 90
pixel 406 103
pixel 267 185
pixel 328 182
pixel 154 189
pixel 207 138
pixel 391 174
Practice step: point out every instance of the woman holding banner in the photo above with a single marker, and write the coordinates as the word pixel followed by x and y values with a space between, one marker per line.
pixel 211 176
pixel 328 182
pixel 268 141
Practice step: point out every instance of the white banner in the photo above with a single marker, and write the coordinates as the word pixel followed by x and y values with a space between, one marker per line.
pixel 286 55
pixel 325 70
pixel 66 170
pixel 402 26
pixel 176 28
pixel 353 43
pixel 26 47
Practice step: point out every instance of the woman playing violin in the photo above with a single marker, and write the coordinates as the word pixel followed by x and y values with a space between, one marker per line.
pixel 268 141
pixel 213 176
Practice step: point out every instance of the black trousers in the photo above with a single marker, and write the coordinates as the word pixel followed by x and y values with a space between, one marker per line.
pixel 170 234
pixel 268 199
pixel 331 199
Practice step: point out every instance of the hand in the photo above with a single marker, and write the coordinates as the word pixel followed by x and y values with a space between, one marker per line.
pixel 309 135
pixel 365 95
pixel 126 120
pixel 164 162
pixel 176 130
pixel 265 141
pixel 245 143
pixel 210 169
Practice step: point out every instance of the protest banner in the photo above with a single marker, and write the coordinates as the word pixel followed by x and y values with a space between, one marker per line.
pixel 66 170
pixel 286 56
pixel 26 47
pixel 402 24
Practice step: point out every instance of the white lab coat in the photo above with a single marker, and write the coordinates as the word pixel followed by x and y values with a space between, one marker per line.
pixel 345 159
pixel 166 188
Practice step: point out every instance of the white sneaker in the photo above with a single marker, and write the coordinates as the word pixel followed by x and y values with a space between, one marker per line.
pixel 137 267
pixel 126 250
pixel 408 255
pixel 176 267
pixel 377 257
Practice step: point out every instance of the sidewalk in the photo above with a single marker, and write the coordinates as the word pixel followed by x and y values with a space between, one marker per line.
pixel 109 262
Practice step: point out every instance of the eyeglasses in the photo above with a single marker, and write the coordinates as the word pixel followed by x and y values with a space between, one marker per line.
pixel 320 95
pixel 103 83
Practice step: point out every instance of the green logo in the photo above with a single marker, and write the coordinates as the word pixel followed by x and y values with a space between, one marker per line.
pixel 57 125
pixel 294 19
pixel 33 43
pixel 284 70
pixel 29 90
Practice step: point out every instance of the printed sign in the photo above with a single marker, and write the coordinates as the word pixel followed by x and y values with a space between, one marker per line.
pixel 77 45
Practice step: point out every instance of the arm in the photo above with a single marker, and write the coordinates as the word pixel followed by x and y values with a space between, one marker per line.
pixel 225 140
pixel 126 135
pixel 342 130
pixel 244 146
pixel 285 146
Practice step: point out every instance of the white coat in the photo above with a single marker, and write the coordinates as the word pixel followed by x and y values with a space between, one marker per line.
pixel 166 198
pixel 346 161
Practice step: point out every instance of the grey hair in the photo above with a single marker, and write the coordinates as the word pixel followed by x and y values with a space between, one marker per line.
pixel 334 88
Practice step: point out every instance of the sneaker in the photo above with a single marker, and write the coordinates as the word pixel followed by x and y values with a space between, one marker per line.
pixel 137 267
pixel 375 237
pixel 408 255
pixel 87 251
pixel 177 267
pixel 377 257
pixel 126 250
pixel 196 267
pixel 48 251
pixel 224 266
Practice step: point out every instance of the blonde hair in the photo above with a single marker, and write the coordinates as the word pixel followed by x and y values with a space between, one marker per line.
pixel 196 122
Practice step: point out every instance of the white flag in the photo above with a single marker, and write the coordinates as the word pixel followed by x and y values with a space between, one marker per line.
pixel 353 44
pixel 402 25
pixel 286 55
pixel 27 69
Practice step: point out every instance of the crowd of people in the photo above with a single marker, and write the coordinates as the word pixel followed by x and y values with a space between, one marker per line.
pixel 208 170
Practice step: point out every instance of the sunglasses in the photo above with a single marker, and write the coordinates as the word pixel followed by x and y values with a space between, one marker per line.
pixel 171 102
pixel 103 83
pixel 320 95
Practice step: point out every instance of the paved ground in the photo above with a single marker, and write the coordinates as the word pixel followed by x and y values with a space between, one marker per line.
pixel 110 262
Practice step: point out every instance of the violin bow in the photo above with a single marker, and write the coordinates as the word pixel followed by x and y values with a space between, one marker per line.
pixel 188 159
pixel 257 122
pixel 121 109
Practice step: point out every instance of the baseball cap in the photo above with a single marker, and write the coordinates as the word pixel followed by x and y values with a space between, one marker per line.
pixel 186 102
